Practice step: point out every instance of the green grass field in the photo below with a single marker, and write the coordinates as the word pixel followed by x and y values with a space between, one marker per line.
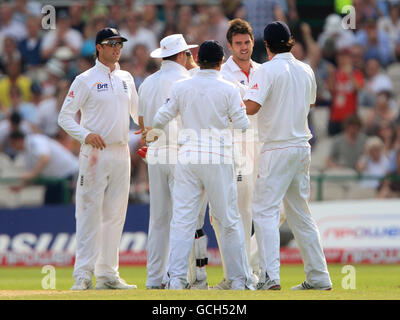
pixel 375 282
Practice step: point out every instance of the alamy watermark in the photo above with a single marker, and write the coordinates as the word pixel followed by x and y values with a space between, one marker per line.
pixel 49 18
pixel 349 280
pixel 49 280
pixel 349 20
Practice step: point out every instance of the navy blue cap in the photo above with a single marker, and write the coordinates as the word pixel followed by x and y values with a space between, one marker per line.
pixel 108 33
pixel 277 32
pixel 210 51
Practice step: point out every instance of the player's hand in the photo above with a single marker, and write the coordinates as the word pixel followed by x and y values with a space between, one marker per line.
pixel 95 140
pixel 143 132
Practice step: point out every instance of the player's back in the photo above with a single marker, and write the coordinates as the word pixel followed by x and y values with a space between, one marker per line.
pixel 207 103
pixel 288 87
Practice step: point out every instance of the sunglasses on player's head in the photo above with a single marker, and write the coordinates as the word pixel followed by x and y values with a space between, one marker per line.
pixel 113 43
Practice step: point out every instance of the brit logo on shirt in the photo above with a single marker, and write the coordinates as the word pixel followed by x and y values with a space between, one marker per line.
pixel 101 86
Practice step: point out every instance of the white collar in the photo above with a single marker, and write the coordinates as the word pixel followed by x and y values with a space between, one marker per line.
pixel 105 68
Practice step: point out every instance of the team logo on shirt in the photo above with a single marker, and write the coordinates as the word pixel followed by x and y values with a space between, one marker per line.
pixel 125 86
pixel 242 81
pixel 255 87
pixel 101 86
pixel 71 94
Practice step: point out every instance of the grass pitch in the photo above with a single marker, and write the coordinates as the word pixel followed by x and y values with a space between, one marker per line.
pixel 372 282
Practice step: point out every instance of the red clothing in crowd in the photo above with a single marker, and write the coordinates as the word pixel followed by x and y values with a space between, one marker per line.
pixel 344 100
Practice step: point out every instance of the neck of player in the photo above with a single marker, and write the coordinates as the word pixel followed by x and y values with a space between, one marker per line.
pixel 110 65
pixel 245 65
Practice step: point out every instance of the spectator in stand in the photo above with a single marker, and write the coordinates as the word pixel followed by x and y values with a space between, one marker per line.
pixel 387 132
pixel 391 24
pixel 136 34
pixel 45 158
pixel 376 81
pixel 373 163
pixel 25 109
pixel 334 37
pixel 14 78
pixel 259 13
pixel 10 54
pixel 344 84
pixel 141 58
pixel 390 187
pixel 28 110
pixel 185 20
pixel 89 34
pixel 376 42
pixel 218 26
pixel 9 26
pixel 54 72
pixel 64 35
pixel 30 47
pixel 151 21
pixel 47 113
pixel 116 16
pixel 93 9
pixel 170 10
pixel 75 11
pixel 347 147
pixel 382 113
pixel 10 124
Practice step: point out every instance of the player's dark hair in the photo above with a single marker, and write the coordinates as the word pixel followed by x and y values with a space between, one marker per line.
pixel 238 26
pixel 172 58
pixel 281 47
pixel 208 65
pixel 16 135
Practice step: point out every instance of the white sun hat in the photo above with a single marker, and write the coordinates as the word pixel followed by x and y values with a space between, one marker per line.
pixel 171 45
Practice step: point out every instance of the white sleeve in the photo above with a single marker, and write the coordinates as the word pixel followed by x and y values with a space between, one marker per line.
pixel 134 103
pixel 168 111
pixel 75 100
pixel 260 86
pixel 313 96
pixel 237 112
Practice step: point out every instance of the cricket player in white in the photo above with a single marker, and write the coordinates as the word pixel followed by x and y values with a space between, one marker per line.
pixel 206 103
pixel 282 92
pixel 239 69
pixel 161 154
pixel 106 97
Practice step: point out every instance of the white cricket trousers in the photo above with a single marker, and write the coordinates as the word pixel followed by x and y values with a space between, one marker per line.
pixel 284 175
pixel 161 179
pixel 219 182
pixel 101 203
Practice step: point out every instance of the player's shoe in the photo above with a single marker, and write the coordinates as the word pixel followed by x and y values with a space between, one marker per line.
pixel 199 285
pixel 269 285
pixel 176 284
pixel 223 285
pixel 306 286
pixel 113 284
pixel 82 284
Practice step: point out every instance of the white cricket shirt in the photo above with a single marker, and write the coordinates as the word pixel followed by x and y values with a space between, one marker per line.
pixel 205 101
pixel 232 72
pixel 63 162
pixel 153 93
pixel 284 87
pixel 105 99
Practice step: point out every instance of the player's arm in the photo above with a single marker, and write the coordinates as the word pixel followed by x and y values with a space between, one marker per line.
pixel 252 107
pixel 134 103
pixel 237 112
pixel 167 112
pixel 75 100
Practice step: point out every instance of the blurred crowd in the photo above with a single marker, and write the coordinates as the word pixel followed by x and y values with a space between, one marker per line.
pixel 357 71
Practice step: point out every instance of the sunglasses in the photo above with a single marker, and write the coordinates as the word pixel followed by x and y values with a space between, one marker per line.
pixel 113 43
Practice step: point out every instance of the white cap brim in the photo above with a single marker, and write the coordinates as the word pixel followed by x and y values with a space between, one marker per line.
pixel 159 53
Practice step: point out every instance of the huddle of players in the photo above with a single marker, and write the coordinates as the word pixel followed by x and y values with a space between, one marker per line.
pixel 209 97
